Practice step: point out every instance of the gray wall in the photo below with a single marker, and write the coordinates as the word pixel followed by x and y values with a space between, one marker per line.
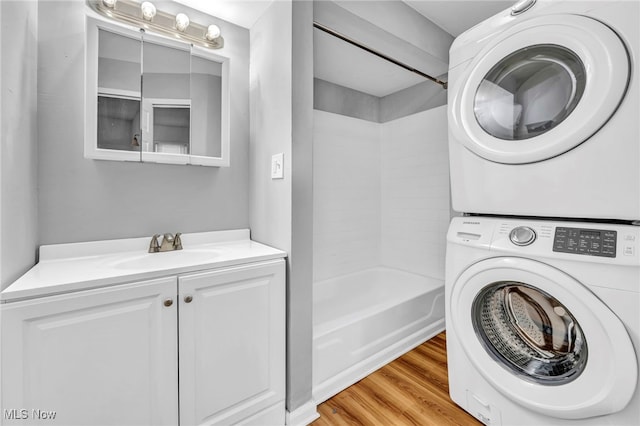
pixel 270 94
pixel 342 100
pixel 414 99
pixel 18 138
pixel 300 290
pixel 271 127
pixel 281 210
pixel 83 200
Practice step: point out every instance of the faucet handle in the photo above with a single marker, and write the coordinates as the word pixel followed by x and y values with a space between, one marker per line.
pixel 154 245
pixel 177 242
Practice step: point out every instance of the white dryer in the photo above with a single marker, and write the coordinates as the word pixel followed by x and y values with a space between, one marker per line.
pixel 543 321
pixel 544 112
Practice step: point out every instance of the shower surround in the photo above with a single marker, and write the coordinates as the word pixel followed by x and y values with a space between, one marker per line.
pixel 381 212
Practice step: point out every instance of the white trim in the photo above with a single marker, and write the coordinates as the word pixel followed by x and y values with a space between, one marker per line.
pixel 303 415
pixel 362 369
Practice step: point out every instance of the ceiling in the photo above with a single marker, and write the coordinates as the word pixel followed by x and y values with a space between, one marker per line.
pixel 345 65
pixel 457 16
pixel 453 16
pixel 340 63
pixel 244 13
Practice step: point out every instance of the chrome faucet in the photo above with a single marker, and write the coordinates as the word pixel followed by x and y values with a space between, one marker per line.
pixel 169 243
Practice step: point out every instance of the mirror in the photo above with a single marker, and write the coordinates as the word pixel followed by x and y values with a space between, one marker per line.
pixel 118 117
pixel 206 99
pixel 166 102
pixel 154 99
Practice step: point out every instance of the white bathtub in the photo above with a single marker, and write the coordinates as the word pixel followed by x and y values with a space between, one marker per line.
pixel 364 320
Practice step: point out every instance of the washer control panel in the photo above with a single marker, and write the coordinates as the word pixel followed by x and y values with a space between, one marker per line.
pixel 591 242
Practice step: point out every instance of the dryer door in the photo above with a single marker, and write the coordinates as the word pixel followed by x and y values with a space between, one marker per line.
pixel 543 339
pixel 541 88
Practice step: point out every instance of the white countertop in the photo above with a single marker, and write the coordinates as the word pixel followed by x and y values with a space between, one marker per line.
pixel 80 266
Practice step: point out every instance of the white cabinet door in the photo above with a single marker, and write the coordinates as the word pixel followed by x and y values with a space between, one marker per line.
pixel 232 343
pixel 98 357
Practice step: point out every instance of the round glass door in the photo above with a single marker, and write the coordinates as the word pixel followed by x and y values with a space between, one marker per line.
pixel 529 92
pixel 530 333
pixel 537 89
pixel 540 337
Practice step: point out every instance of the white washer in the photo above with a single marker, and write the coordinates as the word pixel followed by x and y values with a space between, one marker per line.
pixel 543 321
pixel 544 110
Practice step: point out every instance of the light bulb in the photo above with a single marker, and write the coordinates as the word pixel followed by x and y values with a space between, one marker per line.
pixel 182 21
pixel 213 32
pixel 148 10
pixel 109 3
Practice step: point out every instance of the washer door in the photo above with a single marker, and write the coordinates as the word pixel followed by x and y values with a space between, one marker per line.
pixel 541 88
pixel 542 339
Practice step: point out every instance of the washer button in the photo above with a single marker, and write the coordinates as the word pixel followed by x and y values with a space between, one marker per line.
pixel 522 236
pixel 629 250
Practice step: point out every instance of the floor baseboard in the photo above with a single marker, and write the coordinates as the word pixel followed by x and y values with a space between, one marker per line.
pixel 302 415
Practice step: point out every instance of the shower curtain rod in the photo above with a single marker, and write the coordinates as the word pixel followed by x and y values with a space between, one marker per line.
pixel 378 54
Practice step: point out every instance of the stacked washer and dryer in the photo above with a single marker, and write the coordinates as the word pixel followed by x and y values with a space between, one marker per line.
pixel 543 268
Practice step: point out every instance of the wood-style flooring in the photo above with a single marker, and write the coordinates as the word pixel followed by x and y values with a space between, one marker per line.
pixel 412 390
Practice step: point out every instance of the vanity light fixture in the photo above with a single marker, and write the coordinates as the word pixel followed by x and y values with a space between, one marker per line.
pixel 146 16
pixel 148 10
pixel 182 22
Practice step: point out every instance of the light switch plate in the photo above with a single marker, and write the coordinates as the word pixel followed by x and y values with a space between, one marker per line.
pixel 277 166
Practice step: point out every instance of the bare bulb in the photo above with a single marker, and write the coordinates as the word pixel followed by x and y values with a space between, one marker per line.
pixel 213 32
pixel 182 21
pixel 148 10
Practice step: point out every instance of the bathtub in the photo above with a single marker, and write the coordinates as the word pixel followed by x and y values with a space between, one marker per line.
pixel 364 320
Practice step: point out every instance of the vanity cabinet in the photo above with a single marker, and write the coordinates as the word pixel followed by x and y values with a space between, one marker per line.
pixel 113 355
pixel 232 345
pixel 106 356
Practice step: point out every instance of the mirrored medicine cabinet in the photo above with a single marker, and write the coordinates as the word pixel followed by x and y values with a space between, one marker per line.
pixel 150 98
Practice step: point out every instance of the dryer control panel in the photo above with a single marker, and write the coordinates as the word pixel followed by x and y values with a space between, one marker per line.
pixel 591 242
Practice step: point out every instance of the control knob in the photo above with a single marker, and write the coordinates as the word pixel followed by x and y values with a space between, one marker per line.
pixel 522 236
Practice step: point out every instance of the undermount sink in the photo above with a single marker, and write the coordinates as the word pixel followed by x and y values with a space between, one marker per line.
pixel 164 260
